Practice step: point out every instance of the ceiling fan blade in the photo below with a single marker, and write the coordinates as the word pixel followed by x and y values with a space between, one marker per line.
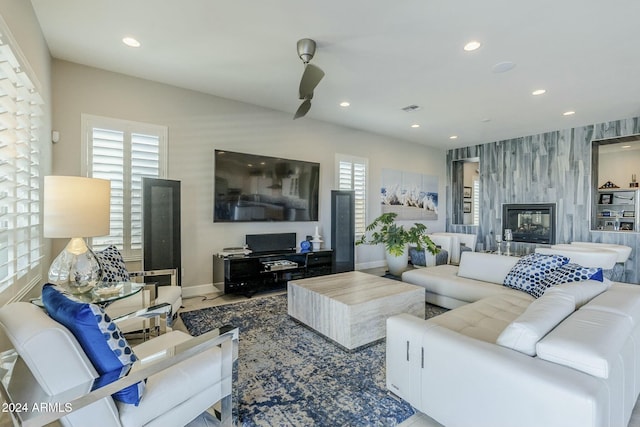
pixel 310 79
pixel 303 109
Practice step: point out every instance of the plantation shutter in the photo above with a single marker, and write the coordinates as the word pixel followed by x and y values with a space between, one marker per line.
pixel 352 175
pixel 20 125
pixel 124 152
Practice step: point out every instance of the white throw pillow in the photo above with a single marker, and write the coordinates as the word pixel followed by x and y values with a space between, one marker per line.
pixel 538 320
pixel 582 292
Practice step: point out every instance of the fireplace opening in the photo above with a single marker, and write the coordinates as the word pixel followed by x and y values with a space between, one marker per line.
pixel 530 223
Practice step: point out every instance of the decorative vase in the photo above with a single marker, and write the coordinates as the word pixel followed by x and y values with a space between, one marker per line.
pixel 397 264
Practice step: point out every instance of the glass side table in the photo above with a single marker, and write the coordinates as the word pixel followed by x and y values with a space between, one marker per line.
pixel 103 296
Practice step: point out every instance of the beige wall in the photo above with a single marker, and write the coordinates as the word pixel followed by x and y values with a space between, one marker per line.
pixel 619 166
pixel 198 124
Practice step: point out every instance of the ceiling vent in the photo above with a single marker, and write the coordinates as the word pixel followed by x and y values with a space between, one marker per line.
pixel 411 108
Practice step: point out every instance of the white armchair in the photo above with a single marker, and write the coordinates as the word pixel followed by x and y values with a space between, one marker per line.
pixel 185 376
pixel 153 294
pixel 114 270
pixel 460 242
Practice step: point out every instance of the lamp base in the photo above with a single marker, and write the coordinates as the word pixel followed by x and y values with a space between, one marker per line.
pixel 76 268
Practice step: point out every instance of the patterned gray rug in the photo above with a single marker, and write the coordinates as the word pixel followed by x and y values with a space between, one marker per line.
pixel 289 375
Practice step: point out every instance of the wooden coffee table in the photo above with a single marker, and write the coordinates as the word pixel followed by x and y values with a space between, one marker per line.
pixel 352 308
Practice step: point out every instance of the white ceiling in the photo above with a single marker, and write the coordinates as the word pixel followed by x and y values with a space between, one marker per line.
pixel 380 55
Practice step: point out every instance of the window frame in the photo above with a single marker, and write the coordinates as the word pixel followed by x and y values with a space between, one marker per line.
pixel 127 127
pixel 362 201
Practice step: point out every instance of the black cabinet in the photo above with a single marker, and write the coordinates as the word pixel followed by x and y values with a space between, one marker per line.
pixel 256 273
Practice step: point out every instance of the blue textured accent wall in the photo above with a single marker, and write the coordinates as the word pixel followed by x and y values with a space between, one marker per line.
pixel 553 167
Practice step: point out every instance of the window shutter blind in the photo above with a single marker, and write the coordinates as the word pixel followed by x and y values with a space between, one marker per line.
pixel 107 154
pixel 352 175
pixel 20 125
pixel 124 152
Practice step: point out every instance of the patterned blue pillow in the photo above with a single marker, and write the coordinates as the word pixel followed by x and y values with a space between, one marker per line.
pixel 570 273
pixel 530 270
pixel 112 265
pixel 100 338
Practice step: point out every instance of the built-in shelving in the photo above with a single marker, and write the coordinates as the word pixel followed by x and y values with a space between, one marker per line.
pixel 617 210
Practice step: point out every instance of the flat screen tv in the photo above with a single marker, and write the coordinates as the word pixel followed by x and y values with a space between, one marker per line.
pixel 249 187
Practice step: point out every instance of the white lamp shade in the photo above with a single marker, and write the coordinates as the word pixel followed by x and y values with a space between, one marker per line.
pixel 75 206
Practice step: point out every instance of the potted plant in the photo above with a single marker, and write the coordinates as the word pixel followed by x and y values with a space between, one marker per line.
pixel 396 240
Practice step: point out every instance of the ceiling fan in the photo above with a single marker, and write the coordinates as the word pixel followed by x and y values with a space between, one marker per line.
pixel 310 77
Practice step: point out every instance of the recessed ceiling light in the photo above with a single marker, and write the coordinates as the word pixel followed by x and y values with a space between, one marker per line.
pixel 626 146
pixel 453 137
pixel 538 92
pixel 472 45
pixel 568 113
pixel 345 104
pixel 131 42
pixel 415 125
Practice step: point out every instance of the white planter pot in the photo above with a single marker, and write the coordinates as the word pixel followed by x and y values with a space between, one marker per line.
pixel 397 264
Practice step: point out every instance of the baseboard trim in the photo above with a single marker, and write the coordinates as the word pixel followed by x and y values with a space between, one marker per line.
pixel 200 290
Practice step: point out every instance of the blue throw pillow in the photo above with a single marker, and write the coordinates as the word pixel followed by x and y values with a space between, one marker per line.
pixel 530 270
pixel 570 273
pixel 112 265
pixel 100 338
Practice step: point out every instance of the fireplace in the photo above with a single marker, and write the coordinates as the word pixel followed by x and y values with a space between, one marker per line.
pixel 530 223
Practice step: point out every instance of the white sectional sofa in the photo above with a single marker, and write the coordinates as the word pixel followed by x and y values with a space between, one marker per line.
pixel 480 275
pixel 568 358
pixel 584 372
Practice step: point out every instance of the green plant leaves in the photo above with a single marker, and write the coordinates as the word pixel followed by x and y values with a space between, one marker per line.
pixel 395 237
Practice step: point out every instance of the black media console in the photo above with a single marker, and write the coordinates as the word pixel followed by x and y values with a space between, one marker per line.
pixel 253 273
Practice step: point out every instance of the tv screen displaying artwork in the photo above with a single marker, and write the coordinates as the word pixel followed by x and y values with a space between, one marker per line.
pixel 250 187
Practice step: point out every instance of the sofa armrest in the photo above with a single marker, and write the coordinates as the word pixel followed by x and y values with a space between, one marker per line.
pixel 61 405
pixel 503 387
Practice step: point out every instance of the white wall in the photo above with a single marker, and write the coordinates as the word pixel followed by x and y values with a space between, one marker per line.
pixel 198 124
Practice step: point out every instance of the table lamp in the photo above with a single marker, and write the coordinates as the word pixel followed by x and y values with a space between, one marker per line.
pixel 76 207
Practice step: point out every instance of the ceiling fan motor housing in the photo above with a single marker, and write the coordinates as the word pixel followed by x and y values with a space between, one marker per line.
pixel 306 49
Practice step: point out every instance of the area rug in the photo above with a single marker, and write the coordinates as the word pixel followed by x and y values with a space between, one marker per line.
pixel 288 375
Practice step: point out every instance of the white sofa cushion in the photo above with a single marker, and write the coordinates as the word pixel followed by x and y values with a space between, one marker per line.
pixel 540 317
pixel 621 299
pixel 444 281
pixel 485 267
pixel 485 319
pixel 582 292
pixel 585 341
